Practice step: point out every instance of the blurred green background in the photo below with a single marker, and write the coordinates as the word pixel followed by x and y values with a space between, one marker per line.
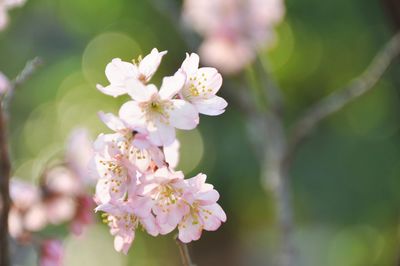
pixel 346 177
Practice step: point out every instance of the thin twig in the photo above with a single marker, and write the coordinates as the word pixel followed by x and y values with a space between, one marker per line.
pixel 5 162
pixel 184 251
pixel 30 67
pixel 337 100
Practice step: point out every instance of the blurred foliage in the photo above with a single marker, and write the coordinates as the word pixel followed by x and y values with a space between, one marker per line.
pixel 346 177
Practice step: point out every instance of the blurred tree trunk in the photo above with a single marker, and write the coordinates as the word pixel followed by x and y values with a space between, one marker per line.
pixel 392 8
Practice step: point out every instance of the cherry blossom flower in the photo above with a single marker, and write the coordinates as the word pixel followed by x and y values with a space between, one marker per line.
pixel 51 253
pixel 234 30
pixel 124 217
pixel 158 111
pixel 201 86
pixel 204 214
pixel 6 5
pixel 123 75
pixel 166 189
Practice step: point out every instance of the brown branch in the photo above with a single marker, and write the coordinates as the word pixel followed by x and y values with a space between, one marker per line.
pixel 339 99
pixel 5 168
pixel 5 162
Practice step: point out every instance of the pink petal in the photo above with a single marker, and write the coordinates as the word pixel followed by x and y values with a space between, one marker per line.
pixel 208 197
pixel 189 230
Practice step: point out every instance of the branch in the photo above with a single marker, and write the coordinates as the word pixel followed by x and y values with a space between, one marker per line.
pixel 184 251
pixel 5 168
pixel 337 100
pixel 5 162
pixel 30 68
pixel 272 92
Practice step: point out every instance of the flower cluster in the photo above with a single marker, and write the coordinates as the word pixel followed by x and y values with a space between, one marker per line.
pixel 138 186
pixel 61 198
pixel 233 29
pixel 5 5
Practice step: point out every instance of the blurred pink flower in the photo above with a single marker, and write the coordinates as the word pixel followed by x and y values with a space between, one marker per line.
pixel 4 82
pixel 122 75
pixel 79 152
pixel 83 214
pixel 27 213
pixel 233 29
pixel 51 253
pixel 5 5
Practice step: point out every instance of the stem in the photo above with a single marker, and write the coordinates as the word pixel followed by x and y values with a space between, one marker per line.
pixel 5 168
pixel 184 251
pixel 339 99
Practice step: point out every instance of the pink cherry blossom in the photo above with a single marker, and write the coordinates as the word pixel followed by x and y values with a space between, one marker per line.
pixel 201 86
pixel 51 253
pixel 234 30
pixel 204 214
pixel 166 189
pixel 123 75
pixel 159 111
pixel 124 217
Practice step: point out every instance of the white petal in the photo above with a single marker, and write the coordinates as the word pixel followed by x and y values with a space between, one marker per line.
pixel 171 153
pixel 111 121
pixel 213 106
pixel 131 113
pixel 184 115
pixel 112 90
pixel 163 135
pixel 118 71
pixel 191 64
pixel 213 79
pixel 172 85
pixel 140 92
pixel 148 66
